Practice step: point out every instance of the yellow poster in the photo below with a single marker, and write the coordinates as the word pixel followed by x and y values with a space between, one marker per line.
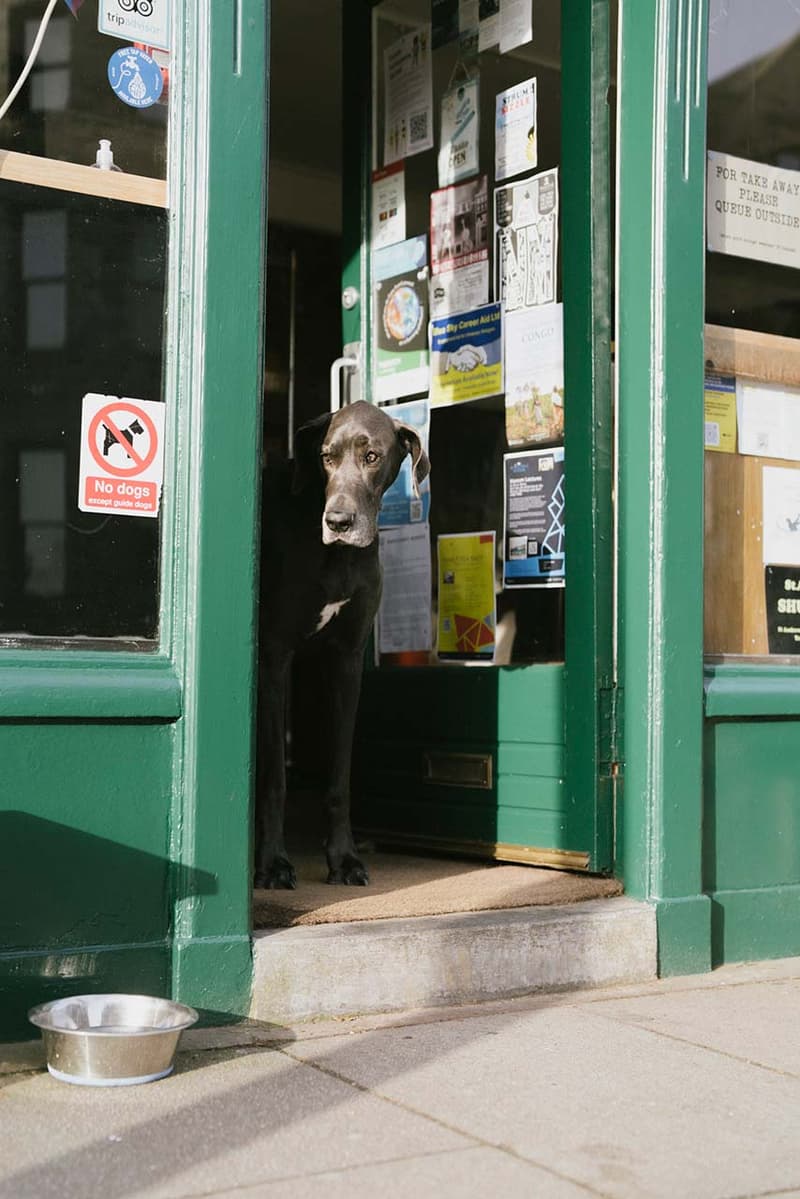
pixel 719 413
pixel 467 613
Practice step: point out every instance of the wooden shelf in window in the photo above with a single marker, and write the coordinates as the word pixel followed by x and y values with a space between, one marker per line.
pixel 72 177
pixel 750 355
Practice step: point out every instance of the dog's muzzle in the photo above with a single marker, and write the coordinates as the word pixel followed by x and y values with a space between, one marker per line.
pixel 338 521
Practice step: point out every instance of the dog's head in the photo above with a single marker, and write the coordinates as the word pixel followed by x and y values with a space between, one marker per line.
pixel 356 454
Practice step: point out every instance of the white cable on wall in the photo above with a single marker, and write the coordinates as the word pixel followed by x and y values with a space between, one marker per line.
pixel 26 70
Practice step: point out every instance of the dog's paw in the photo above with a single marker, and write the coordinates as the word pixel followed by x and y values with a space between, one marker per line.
pixel 350 871
pixel 278 876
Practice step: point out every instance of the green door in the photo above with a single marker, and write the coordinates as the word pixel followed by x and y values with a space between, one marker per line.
pixel 476 164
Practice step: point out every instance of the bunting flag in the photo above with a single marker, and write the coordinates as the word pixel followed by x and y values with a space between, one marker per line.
pixel 73 6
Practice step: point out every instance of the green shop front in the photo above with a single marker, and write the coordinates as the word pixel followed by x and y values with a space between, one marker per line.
pixel 613 689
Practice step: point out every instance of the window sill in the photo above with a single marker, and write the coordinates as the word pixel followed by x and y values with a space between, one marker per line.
pixel 752 689
pixel 77 685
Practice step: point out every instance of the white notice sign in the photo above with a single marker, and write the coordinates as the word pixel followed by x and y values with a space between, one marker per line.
pixel 136 21
pixel 122 455
pixel 753 210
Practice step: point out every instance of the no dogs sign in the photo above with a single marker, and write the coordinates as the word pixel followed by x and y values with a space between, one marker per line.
pixel 122 456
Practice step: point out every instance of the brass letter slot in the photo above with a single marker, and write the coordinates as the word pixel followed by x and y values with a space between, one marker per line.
pixel 458 770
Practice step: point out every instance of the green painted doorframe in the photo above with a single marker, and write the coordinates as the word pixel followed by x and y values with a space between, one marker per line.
pixel 662 115
pixel 589 679
pixel 218 185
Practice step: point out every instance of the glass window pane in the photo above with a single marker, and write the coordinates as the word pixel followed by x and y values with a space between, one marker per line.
pixel 82 293
pixel 752 389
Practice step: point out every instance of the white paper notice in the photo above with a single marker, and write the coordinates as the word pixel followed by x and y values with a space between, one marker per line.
pixel 388 206
pixel 515 140
pixel 489 27
pixel 769 420
pixel 459 290
pixel 409 96
pixel 753 210
pixel 468 16
pixel 780 512
pixel 516 24
pixel 404 619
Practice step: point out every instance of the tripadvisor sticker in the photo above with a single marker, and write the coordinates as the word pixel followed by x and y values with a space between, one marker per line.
pixel 135 77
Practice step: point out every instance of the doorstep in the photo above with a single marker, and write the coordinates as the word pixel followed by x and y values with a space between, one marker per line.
pixel 362 967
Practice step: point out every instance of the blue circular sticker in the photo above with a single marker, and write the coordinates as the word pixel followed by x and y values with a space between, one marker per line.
pixel 135 77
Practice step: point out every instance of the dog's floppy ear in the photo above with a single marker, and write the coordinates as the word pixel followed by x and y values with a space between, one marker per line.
pixel 409 439
pixel 307 444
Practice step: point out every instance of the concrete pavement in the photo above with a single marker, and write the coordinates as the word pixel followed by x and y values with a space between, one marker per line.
pixel 683 1088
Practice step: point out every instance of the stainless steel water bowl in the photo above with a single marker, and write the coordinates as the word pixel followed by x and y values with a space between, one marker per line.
pixel 111 1040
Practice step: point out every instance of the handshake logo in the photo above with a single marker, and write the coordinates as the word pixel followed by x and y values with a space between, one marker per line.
pixel 466 358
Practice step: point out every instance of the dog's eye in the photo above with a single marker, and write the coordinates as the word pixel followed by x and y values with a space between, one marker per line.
pixel 371 457
pixel 326 459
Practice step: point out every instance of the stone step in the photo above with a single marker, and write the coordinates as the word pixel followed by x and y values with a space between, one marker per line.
pixel 368 966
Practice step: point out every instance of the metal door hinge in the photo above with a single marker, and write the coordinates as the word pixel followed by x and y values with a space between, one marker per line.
pixel 610 731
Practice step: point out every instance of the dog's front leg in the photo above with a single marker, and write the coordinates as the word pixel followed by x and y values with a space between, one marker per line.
pixel 273 868
pixel 344 865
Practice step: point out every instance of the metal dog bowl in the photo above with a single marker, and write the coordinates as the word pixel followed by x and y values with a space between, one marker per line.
pixel 111 1040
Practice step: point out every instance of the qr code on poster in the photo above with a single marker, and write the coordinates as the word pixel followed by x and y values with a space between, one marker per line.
pixel 415 509
pixel 711 433
pixel 418 128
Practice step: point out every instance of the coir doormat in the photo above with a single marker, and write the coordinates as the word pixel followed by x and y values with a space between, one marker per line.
pixel 401 885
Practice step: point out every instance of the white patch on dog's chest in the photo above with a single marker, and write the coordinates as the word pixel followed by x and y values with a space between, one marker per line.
pixel 328 613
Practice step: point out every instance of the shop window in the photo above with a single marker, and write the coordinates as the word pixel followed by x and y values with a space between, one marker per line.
pixel 465 214
pixel 82 291
pixel 752 336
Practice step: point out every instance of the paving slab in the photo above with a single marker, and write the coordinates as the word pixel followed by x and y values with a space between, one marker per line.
pixel 221 1122
pixel 608 1105
pixel 467 1173
pixel 752 1022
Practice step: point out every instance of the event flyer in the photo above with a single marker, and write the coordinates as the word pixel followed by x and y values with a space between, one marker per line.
pixel 467 609
pixel 533 506
pixel 526 241
pixel 719 413
pixel 466 356
pixel 400 319
pixel 400 506
pixel 460 246
pixel 534 375
pixel 515 140
pixel 458 153
pixel 388 206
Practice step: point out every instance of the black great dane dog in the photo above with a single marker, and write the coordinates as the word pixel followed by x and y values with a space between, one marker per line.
pixel 321 584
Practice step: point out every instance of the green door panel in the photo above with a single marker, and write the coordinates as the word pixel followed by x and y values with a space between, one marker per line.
pixel 84 861
pixel 510 717
pixel 752 804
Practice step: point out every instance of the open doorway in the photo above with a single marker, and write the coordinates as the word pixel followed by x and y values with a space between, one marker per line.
pixel 512 707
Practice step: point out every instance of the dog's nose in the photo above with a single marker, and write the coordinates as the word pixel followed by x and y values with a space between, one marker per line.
pixel 339 521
